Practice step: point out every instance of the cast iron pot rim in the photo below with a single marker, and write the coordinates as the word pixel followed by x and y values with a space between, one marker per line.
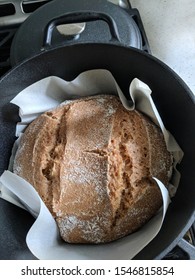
pixel 106 45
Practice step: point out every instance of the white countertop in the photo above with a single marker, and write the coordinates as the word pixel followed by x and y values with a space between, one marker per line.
pixel 170 29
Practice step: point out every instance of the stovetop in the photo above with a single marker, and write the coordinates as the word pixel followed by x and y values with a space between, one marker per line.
pixel 10 21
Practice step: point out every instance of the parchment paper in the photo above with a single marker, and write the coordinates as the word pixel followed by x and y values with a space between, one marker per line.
pixel 43 237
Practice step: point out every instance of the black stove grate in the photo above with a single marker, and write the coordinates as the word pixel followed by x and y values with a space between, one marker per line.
pixel 185 250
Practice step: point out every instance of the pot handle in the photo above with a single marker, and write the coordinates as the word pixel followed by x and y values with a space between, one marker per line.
pixel 79 17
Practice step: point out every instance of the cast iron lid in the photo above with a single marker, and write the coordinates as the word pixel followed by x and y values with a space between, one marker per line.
pixel 95 20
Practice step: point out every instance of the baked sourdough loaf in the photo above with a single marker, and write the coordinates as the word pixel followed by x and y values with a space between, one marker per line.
pixel 92 163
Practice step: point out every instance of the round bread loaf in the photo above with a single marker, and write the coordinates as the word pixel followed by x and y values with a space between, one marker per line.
pixel 92 162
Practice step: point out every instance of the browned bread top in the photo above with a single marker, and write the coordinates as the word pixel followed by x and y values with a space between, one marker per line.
pixel 92 163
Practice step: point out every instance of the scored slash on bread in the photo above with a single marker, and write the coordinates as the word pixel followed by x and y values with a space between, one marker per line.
pixel 92 162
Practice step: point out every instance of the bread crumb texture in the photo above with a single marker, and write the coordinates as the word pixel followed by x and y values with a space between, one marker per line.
pixel 92 163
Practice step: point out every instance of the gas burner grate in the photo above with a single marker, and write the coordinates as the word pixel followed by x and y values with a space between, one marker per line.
pixel 13 14
pixel 31 6
pixel 177 254
pixel 185 250
pixel 7 9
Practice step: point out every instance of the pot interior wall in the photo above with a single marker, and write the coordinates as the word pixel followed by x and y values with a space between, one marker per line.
pixel 171 96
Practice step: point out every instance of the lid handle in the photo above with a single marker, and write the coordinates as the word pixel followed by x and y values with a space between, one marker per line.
pixel 79 17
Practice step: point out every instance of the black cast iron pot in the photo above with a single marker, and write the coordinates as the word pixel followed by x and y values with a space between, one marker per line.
pixel 174 101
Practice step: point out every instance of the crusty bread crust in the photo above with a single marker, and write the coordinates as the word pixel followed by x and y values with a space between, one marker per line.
pixel 92 162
